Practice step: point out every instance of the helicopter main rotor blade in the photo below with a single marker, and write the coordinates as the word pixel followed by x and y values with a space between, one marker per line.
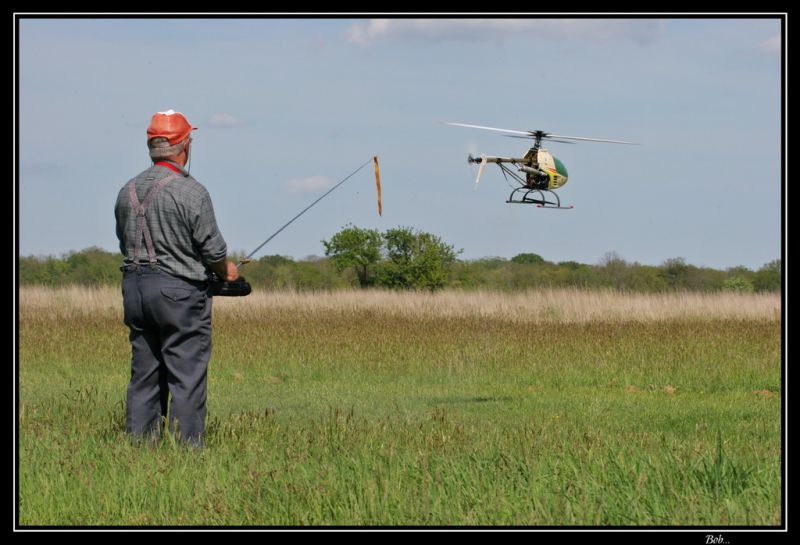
pixel 554 136
pixel 540 134
pixel 526 133
pixel 544 138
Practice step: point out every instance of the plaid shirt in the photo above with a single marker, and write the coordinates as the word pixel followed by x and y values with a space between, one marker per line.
pixel 181 223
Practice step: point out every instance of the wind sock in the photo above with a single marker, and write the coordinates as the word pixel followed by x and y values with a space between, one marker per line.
pixel 378 183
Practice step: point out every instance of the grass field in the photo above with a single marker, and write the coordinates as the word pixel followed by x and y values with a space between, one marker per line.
pixel 548 408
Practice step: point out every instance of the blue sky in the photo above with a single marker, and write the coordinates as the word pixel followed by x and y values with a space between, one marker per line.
pixel 288 107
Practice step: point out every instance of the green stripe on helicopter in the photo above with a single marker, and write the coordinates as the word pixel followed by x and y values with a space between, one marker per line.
pixel 560 167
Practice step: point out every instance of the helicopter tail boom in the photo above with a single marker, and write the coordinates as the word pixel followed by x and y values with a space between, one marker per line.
pixel 484 159
pixel 492 159
pixel 520 163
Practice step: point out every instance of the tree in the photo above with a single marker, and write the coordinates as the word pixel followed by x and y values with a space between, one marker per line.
pixel 93 266
pixel 768 277
pixel 415 259
pixel 614 270
pixel 579 275
pixel 356 248
pixel 265 272
pixel 644 279
pixel 674 272
pixel 275 260
pixel 527 259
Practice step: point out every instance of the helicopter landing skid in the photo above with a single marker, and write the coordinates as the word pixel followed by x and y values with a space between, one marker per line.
pixel 537 197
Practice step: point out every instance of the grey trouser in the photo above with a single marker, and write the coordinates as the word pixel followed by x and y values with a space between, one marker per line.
pixel 170 333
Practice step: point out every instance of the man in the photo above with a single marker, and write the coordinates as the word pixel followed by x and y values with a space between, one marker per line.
pixel 169 237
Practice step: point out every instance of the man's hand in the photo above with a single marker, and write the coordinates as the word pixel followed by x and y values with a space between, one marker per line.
pixel 225 269
pixel 232 271
pixel 230 284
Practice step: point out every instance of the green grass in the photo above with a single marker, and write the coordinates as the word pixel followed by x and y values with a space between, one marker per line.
pixel 364 417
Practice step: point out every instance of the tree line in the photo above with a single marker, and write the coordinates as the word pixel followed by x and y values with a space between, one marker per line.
pixel 405 258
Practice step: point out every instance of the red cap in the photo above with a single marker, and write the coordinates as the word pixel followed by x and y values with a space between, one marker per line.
pixel 170 125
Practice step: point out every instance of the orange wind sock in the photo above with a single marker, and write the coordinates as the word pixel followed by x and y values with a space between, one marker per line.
pixel 378 183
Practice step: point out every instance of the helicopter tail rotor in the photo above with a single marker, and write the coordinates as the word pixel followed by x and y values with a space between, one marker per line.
pixel 480 170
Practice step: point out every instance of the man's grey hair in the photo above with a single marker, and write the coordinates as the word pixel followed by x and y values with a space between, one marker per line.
pixel 160 149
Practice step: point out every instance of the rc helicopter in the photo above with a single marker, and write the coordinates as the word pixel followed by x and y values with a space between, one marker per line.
pixel 543 172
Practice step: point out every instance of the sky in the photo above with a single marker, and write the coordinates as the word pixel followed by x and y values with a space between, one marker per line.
pixel 287 107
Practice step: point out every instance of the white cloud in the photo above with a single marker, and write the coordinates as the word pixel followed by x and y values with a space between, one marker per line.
pixel 223 121
pixel 772 45
pixel 641 31
pixel 310 183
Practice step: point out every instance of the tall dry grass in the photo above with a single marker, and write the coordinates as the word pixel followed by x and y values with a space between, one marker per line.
pixel 545 305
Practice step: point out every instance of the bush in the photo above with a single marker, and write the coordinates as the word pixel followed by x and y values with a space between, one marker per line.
pixel 738 284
